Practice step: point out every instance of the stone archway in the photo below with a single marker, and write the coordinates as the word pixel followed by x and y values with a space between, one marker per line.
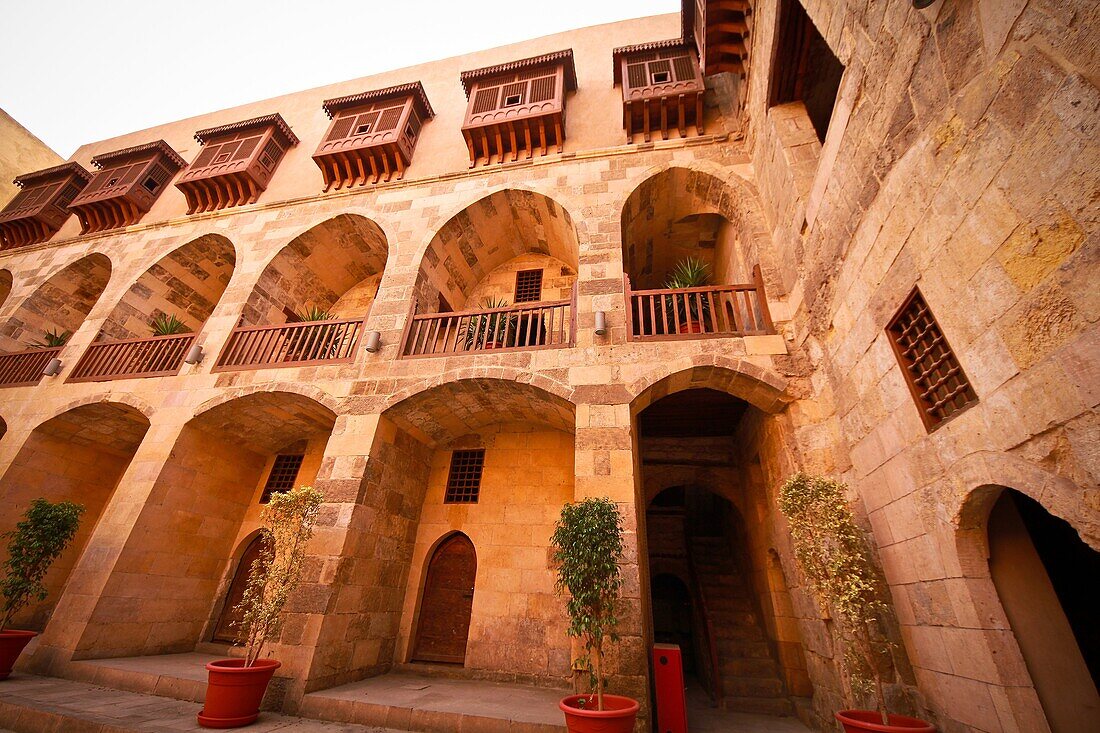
pixel 58 305
pixel 446 602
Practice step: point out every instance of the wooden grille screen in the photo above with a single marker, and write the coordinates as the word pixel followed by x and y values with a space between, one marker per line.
pixel 528 286
pixel 464 479
pixel 934 375
pixel 284 471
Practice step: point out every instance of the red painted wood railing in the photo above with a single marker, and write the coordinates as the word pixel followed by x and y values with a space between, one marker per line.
pixel 713 310
pixel 24 368
pixel 156 356
pixel 540 325
pixel 290 344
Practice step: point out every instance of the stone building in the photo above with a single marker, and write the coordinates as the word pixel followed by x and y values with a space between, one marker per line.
pixel 899 212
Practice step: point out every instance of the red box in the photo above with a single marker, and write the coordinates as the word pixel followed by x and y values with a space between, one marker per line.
pixel 668 679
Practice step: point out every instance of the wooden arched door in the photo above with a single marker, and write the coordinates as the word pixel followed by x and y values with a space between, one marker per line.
pixel 444 622
pixel 228 628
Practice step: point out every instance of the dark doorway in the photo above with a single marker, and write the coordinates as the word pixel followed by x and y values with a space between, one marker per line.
pixel 444 621
pixel 672 617
pixel 229 628
pixel 805 68
pixel 1047 577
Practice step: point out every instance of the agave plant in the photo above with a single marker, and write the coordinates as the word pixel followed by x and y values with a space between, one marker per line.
pixel 488 329
pixel 690 272
pixel 168 325
pixel 52 339
pixel 313 313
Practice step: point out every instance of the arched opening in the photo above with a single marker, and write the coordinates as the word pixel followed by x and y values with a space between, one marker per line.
pixel 500 274
pixel 177 565
pixel 714 588
pixel 228 627
pixel 446 602
pixel 5 285
pixel 44 321
pixel 310 302
pixel 79 456
pixel 691 253
pixel 1046 576
pixel 151 329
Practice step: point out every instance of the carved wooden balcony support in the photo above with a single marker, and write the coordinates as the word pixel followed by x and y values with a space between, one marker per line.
pixel 720 30
pixel 42 206
pixel 128 183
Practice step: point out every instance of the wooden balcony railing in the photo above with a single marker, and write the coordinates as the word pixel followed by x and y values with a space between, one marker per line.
pixel 156 356
pixel 542 325
pixel 24 368
pixel 290 344
pixel 689 313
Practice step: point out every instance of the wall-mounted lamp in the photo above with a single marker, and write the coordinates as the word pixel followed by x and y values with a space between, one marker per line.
pixel 53 367
pixel 374 341
pixel 601 323
pixel 194 355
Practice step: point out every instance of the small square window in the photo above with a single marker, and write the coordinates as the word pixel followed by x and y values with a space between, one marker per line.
pixel 150 184
pixel 464 479
pixel 528 286
pixel 221 158
pixel 661 77
pixel 112 182
pixel 512 100
pixel 409 132
pixel 284 472
pixel 363 129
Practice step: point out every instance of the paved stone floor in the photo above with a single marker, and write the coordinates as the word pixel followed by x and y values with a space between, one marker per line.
pixel 704 718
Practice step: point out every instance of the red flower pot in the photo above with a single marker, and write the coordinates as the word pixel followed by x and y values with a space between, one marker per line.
pixel 11 645
pixel 691 326
pixel 234 692
pixel 869 721
pixel 617 715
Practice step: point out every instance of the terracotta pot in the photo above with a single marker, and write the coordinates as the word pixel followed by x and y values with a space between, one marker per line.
pixel 11 645
pixel 617 715
pixel 869 721
pixel 234 692
pixel 691 327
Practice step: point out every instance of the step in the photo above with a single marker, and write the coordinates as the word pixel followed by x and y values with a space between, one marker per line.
pixel 759 705
pixel 738 633
pixel 744 649
pixel 179 676
pixel 753 687
pixel 749 667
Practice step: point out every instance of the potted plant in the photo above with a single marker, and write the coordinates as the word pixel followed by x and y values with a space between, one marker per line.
pixel 587 546
pixel 302 342
pixel 489 329
pixel 52 339
pixel 235 687
pixel 43 534
pixel 168 325
pixel 836 558
pixel 690 272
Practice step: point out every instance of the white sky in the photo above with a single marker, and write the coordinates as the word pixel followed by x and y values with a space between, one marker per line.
pixel 74 71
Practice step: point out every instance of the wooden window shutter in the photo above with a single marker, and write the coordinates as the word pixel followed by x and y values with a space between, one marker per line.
pixel 247 146
pixel 637 77
pixel 486 99
pixel 70 192
pixel 206 155
pixel 130 174
pixel 660 66
pixel 227 150
pixel 684 69
pixel 366 118
pixel 271 154
pixel 511 90
pixel 389 118
pixel 342 128
pixel 542 88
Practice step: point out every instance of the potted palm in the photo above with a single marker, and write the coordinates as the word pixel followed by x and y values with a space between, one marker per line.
pixel 43 534
pixel 304 344
pixel 836 558
pixel 690 272
pixel 587 546
pixel 236 687
pixel 52 339
pixel 164 324
pixel 490 330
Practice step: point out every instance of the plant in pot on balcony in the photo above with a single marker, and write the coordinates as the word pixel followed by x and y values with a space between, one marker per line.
pixel 43 534
pixel 836 557
pixel 52 339
pixel 235 687
pixel 588 546
pixel 693 312
pixel 303 344
pixel 489 330
pixel 165 324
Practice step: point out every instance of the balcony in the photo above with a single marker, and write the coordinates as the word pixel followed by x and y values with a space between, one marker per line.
pixel 127 184
pixel 526 327
pixel 705 312
pixel 156 356
pixel 290 345
pixel 662 89
pixel 42 206
pixel 24 368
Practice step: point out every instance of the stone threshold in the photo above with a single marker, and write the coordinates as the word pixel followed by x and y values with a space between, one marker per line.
pixel 178 676
pixel 32 704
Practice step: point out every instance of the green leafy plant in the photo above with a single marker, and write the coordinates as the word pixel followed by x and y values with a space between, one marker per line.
pixel 52 339
pixel 587 546
pixel 313 313
pixel 288 520
pixel 489 328
pixel 168 325
pixel 43 534
pixel 836 558
pixel 690 272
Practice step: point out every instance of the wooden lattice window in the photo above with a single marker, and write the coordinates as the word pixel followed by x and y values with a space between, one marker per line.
pixel 935 377
pixel 464 479
pixel 528 286
pixel 284 472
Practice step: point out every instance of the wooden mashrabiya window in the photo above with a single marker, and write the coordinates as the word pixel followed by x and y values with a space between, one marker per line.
pixel 236 163
pixel 127 184
pixel 372 135
pixel 42 204
pixel 517 108
pixel 662 88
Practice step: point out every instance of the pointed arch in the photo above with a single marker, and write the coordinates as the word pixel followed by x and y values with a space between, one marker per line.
pixel 59 303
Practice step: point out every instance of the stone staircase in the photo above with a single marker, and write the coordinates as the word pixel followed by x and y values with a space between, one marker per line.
pixel 751 679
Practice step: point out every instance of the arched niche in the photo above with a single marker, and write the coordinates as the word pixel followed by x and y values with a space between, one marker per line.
pixel 58 305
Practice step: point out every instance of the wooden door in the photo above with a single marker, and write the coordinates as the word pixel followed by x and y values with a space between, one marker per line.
pixel 228 628
pixel 444 624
